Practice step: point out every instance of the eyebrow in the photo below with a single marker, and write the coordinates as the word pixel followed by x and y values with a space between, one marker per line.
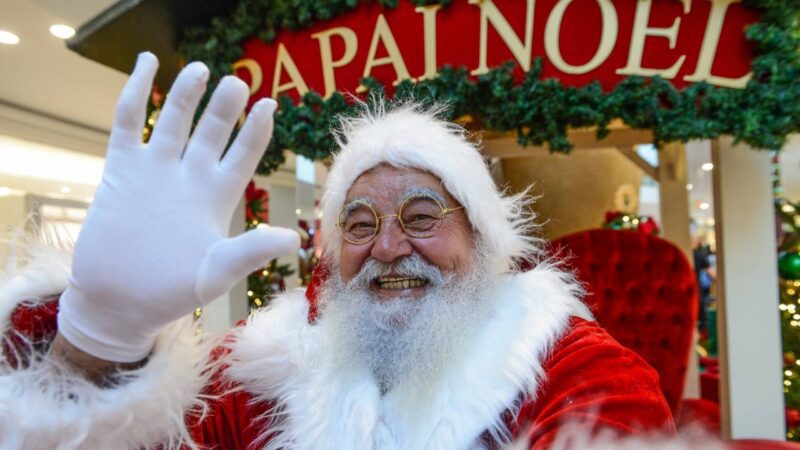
pixel 420 192
pixel 353 204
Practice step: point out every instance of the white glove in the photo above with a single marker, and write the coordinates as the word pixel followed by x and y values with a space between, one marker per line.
pixel 154 245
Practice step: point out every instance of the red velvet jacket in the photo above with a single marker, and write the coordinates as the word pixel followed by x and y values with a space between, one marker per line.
pixel 591 380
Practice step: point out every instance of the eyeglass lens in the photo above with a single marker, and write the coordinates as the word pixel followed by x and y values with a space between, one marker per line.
pixel 419 216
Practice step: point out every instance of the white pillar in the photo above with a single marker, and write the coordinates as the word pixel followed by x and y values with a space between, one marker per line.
pixel 282 207
pixel 225 311
pixel 751 382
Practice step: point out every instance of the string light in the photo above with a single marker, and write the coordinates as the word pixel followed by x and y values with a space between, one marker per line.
pixel 249 293
pixel 257 302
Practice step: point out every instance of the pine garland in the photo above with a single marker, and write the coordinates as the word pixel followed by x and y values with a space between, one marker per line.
pixel 538 111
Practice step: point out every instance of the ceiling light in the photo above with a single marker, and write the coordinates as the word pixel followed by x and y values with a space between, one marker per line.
pixel 9 38
pixel 298 211
pixel 707 167
pixel 62 31
pixel 65 189
pixel 704 206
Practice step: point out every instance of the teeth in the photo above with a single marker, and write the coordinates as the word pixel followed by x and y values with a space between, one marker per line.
pixel 400 283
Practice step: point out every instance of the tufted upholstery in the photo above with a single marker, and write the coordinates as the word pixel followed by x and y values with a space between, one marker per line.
pixel 643 291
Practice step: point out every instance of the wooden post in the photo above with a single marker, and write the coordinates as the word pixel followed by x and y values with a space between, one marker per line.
pixel 751 382
pixel 674 202
pixel 672 179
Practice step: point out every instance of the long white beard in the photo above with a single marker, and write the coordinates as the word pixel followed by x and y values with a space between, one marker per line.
pixel 408 341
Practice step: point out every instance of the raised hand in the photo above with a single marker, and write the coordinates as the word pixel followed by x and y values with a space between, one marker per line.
pixel 154 245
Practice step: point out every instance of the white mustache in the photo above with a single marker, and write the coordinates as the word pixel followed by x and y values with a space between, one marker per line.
pixel 413 266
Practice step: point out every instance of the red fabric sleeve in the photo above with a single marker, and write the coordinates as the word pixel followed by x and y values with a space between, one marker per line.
pixel 31 328
pixel 594 382
pixel 232 421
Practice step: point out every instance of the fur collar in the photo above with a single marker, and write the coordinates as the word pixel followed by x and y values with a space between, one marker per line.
pixel 278 356
pixel 33 266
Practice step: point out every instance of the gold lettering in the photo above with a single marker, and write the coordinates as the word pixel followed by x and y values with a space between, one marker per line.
pixel 552 46
pixel 326 54
pixel 640 33
pixel 708 51
pixel 521 52
pixel 384 34
pixel 284 61
pixel 252 67
pixel 429 21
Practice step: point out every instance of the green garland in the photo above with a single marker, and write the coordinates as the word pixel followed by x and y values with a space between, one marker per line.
pixel 539 111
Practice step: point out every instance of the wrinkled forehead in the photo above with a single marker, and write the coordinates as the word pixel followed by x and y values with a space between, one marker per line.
pixel 390 186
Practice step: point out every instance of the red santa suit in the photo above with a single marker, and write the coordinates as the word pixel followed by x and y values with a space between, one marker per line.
pixel 537 367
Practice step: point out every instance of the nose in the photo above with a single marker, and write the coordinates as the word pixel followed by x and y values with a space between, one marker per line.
pixel 391 242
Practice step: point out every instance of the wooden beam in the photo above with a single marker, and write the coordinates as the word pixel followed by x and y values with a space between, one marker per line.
pixel 649 169
pixel 504 145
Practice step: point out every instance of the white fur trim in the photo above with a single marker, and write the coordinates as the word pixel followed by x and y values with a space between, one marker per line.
pixel 410 137
pixel 33 267
pixel 44 406
pixel 279 357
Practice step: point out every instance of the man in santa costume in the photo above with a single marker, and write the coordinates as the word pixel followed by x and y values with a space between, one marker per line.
pixel 423 335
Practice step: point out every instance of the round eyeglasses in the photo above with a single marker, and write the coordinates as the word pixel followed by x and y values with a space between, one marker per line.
pixel 419 215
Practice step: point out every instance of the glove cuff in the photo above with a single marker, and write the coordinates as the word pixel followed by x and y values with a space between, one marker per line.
pixel 80 330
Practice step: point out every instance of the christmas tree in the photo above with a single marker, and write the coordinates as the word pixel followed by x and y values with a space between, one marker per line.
pixel 789 270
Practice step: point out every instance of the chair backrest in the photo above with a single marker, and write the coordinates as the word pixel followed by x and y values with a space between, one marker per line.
pixel 643 291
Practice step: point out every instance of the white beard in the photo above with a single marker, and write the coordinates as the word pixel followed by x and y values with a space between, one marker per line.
pixel 405 341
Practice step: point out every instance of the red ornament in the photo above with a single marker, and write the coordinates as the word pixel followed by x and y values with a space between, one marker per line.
pixel 612 216
pixel 792 417
pixel 648 226
pixel 157 96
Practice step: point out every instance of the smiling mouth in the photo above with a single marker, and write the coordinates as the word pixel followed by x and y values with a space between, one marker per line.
pixel 397 283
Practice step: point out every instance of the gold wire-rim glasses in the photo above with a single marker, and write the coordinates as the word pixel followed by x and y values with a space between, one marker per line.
pixel 399 215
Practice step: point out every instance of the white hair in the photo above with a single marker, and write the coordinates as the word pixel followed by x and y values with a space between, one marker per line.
pixel 409 135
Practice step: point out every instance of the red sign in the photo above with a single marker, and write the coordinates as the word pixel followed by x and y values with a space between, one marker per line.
pixel 683 41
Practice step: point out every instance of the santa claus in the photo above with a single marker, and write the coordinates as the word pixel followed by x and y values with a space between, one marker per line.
pixel 424 333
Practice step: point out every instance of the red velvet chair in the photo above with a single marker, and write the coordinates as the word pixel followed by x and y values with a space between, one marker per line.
pixel 643 291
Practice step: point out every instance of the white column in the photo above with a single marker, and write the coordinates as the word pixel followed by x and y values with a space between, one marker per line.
pixel 225 311
pixel 282 207
pixel 751 382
